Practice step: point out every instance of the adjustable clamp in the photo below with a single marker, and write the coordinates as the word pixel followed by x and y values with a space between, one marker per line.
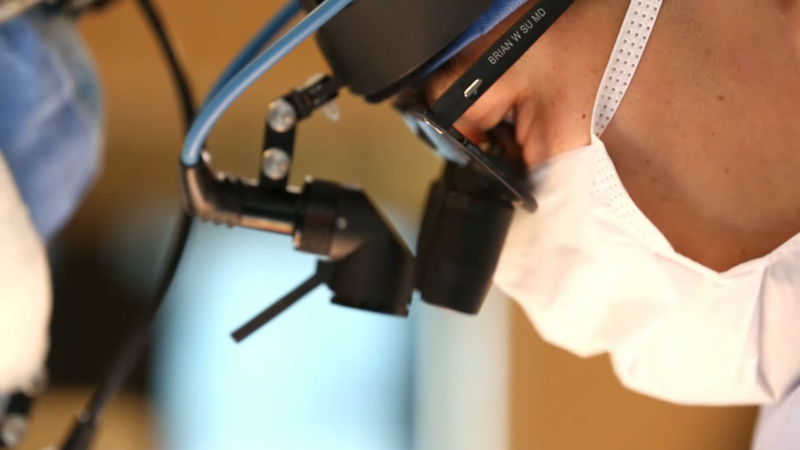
pixel 365 262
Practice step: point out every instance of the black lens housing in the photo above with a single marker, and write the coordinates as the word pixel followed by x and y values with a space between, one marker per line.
pixel 370 267
pixel 465 225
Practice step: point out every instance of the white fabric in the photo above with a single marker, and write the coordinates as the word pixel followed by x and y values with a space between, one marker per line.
pixel 25 294
pixel 779 425
pixel 595 275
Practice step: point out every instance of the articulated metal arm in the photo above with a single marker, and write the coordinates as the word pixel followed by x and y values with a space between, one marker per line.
pixel 365 262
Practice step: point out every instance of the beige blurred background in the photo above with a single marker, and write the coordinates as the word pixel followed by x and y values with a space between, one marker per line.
pixel 557 401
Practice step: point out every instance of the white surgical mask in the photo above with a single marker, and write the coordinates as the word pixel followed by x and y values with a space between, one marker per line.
pixel 596 276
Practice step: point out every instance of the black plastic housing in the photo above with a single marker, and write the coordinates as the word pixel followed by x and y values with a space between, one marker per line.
pixel 371 267
pixel 462 235
pixel 375 46
pixel 368 266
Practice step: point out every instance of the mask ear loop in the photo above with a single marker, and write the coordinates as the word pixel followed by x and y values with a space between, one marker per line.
pixel 625 59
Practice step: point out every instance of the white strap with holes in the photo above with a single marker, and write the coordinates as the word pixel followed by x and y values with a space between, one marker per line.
pixel 633 36
pixel 607 187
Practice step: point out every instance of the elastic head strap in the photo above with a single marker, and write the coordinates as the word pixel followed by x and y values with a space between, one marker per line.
pixel 497 60
pixel 625 59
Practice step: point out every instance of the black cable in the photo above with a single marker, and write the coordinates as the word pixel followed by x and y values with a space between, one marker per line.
pixel 178 72
pixel 82 433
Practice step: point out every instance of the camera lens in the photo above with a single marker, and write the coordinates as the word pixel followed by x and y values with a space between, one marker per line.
pixel 465 227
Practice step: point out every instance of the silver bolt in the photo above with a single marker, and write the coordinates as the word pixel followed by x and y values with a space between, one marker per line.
pixel 282 116
pixel 341 223
pixel 13 429
pixel 473 88
pixel 275 164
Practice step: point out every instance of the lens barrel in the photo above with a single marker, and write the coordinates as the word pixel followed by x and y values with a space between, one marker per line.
pixel 462 235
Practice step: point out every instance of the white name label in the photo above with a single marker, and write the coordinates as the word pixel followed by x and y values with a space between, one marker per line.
pixel 524 28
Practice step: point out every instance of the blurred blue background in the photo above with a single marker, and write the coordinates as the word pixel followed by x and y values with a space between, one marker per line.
pixel 319 377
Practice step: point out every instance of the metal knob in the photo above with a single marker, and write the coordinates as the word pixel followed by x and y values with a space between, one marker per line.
pixel 275 164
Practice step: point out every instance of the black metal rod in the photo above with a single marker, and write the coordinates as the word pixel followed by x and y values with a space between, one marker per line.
pixel 278 307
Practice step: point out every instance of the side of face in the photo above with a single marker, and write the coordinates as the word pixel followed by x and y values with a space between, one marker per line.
pixel 550 91
pixel 704 139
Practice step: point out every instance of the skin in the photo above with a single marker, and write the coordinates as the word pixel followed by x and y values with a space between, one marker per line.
pixel 706 139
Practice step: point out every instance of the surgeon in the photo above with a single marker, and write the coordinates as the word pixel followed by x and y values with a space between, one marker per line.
pixel 661 137
pixel 50 145
pixel 663 140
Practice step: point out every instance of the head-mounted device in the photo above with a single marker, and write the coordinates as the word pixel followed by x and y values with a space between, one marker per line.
pixel 376 47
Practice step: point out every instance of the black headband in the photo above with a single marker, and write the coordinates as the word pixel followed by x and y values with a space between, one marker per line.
pixel 497 60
